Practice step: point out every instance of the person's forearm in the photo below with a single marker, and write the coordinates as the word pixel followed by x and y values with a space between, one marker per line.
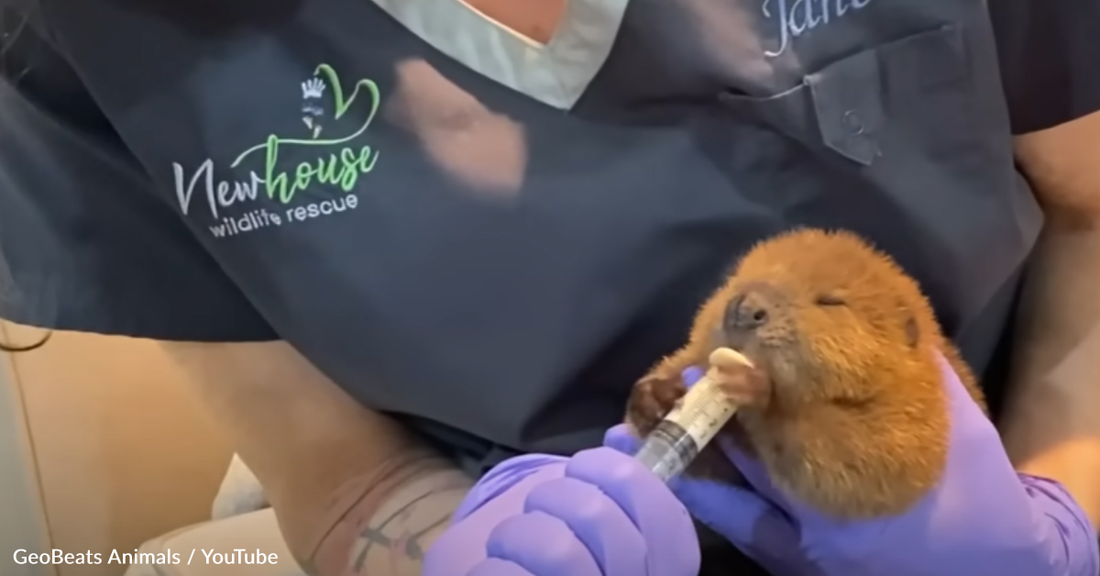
pixel 392 542
pixel 381 524
pixel 1051 426
pixel 321 457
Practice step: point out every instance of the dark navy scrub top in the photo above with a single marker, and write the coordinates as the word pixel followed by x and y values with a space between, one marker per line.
pixel 489 238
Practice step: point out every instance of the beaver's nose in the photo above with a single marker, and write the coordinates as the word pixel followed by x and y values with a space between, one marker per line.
pixel 750 309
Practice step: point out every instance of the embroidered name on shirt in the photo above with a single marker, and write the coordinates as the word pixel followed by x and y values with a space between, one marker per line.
pixel 337 163
pixel 794 19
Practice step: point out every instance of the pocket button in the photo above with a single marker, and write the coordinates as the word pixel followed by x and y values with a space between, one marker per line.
pixel 852 123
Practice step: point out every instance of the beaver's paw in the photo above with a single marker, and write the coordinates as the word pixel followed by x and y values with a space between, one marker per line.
pixel 652 399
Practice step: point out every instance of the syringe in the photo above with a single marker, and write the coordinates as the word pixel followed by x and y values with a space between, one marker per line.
pixel 693 421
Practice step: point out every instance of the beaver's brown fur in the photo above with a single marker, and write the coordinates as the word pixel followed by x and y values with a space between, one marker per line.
pixel 856 420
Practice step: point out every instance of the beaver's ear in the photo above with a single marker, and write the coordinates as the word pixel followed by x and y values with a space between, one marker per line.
pixel 910 326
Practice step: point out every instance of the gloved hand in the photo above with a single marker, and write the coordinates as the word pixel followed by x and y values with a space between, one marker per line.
pixel 599 513
pixel 983 518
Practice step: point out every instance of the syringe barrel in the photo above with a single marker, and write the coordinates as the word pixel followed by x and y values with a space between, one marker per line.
pixel 668 450
pixel 690 426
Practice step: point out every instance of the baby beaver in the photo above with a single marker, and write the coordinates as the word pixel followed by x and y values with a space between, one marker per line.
pixel 852 416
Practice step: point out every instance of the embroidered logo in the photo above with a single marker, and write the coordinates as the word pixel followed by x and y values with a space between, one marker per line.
pixel 336 157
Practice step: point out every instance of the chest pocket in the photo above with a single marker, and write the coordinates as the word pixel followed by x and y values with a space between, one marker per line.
pixel 905 93
pixel 906 143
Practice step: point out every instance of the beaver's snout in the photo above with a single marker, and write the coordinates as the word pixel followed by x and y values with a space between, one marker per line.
pixel 747 312
pixel 754 307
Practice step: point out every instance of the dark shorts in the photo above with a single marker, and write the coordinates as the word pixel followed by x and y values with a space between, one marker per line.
pixel 722 559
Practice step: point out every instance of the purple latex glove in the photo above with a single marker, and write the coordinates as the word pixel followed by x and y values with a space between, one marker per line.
pixel 983 518
pixel 599 513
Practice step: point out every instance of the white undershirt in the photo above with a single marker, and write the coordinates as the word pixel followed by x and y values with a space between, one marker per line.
pixel 556 73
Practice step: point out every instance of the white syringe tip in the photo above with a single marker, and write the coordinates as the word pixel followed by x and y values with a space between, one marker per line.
pixel 728 357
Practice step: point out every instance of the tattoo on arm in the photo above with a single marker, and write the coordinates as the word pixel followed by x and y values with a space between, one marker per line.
pixel 376 535
pixel 394 541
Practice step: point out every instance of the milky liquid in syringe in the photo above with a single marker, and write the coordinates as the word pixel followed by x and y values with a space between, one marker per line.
pixel 692 424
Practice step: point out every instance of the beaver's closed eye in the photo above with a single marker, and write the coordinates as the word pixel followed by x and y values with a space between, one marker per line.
pixel 830 300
